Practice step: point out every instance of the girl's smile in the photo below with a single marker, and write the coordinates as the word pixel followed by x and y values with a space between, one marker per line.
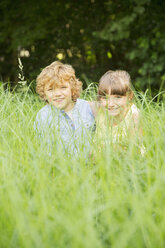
pixel 116 104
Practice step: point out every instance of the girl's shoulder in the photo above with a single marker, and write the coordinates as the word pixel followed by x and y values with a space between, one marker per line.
pixel 135 109
pixel 85 106
pixel 133 116
pixel 135 113
pixel 81 103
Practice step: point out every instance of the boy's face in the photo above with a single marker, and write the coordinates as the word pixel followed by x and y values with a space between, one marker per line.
pixel 60 96
pixel 115 104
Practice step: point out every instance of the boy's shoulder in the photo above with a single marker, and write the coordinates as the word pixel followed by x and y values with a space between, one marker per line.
pixel 81 101
pixel 44 110
pixel 81 104
pixel 89 106
pixel 48 112
pixel 45 116
pixel 85 106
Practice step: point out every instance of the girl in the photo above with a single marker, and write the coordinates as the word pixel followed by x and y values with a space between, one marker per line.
pixel 118 116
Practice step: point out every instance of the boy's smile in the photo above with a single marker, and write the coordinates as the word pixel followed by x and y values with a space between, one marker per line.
pixel 60 96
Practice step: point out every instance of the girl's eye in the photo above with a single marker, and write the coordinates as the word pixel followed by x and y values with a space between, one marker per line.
pixel 103 97
pixel 63 87
pixel 49 89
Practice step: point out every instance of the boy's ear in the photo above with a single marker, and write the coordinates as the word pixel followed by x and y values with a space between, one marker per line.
pixel 73 94
pixel 45 99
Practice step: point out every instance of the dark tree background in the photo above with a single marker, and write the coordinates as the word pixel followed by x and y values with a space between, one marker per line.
pixel 92 35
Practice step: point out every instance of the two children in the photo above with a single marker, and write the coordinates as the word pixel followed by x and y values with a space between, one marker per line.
pixel 73 119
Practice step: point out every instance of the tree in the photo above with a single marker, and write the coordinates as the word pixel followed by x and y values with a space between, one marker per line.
pixel 135 31
pixel 93 36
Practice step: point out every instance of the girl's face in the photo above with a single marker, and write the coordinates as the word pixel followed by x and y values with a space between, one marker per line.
pixel 116 104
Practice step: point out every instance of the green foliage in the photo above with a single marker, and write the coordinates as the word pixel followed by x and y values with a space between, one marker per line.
pixel 93 36
pixel 135 31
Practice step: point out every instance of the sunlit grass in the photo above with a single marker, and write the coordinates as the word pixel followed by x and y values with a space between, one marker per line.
pixel 116 198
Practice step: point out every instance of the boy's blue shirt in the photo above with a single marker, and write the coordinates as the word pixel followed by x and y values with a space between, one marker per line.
pixel 73 135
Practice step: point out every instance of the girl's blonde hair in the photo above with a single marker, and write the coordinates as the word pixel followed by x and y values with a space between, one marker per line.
pixel 115 83
pixel 56 74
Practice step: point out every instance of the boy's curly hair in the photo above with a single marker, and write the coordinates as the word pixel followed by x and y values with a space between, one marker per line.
pixel 55 74
pixel 115 83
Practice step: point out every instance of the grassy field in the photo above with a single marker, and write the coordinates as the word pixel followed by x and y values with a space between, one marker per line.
pixel 115 199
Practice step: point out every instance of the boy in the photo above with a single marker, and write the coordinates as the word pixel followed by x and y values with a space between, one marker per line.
pixel 65 115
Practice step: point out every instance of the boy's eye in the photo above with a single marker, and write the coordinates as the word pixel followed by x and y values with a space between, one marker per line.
pixel 117 97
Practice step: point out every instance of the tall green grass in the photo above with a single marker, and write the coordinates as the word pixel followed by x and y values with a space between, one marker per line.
pixel 116 198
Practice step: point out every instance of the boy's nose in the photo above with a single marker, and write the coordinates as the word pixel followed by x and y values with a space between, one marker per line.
pixel 57 92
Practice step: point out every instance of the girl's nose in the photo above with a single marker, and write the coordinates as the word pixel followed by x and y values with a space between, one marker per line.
pixel 110 102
